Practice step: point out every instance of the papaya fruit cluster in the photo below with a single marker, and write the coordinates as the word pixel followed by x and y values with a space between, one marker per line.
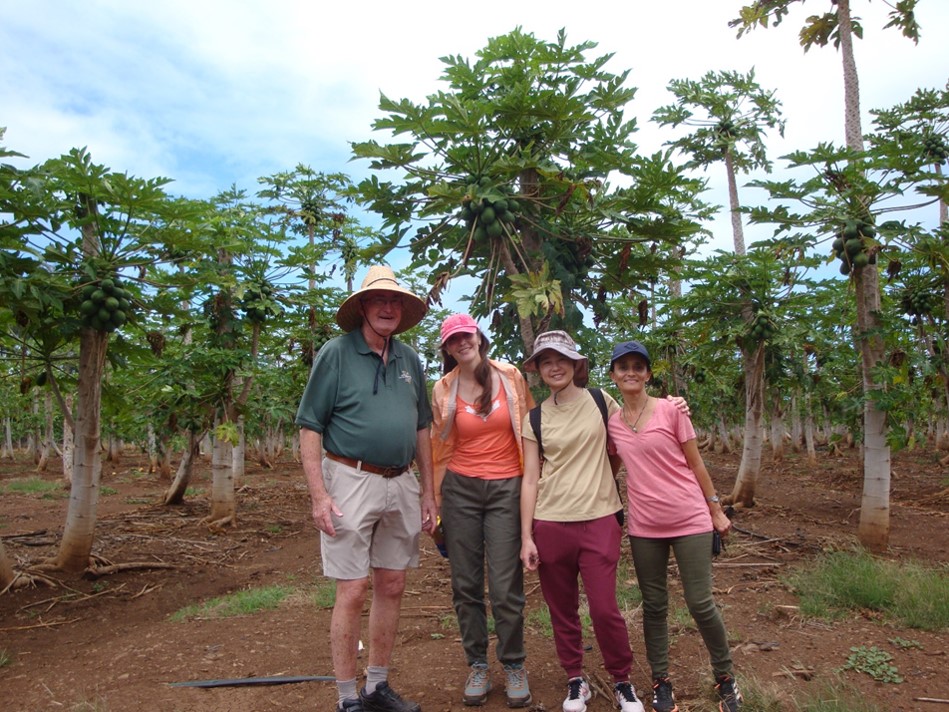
pixel 762 328
pixel 106 305
pixel 918 302
pixel 850 245
pixel 486 217
pixel 934 145
pixel 255 302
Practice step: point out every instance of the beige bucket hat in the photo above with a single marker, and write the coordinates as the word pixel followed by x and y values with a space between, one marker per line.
pixel 560 342
pixel 380 278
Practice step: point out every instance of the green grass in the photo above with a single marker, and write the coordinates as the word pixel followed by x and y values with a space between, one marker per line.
pixel 274 529
pixel 33 485
pixel 137 500
pixel 539 620
pixel 834 696
pixel 241 603
pixel 194 492
pixel 628 595
pixel 324 596
pixel 108 491
pixel 5 658
pixel 908 594
pixel 757 697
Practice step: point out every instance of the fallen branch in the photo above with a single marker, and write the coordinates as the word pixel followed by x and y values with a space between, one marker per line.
pixel 931 699
pixel 39 625
pixel 94 572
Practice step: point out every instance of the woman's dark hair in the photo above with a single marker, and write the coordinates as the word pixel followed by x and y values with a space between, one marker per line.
pixel 482 373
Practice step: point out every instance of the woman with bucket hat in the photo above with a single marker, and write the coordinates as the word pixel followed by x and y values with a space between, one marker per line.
pixel 478 407
pixel 672 508
pixel 364 419
pixel 569 526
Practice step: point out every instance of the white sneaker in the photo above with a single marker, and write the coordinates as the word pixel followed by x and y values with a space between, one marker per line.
pixel 626 698
pixel 578 694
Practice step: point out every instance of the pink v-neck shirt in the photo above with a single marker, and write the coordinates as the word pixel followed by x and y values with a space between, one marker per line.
pixel 665 499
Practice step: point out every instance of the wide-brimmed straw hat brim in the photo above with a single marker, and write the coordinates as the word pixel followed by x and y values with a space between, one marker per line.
pixel 349 315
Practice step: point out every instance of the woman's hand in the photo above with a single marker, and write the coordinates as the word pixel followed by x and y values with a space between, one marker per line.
pixel 529 555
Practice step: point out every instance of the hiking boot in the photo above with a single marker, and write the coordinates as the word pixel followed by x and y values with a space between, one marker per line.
pixel 515 685
pixel 385 699
pixel 578 694
pixel 728 694
pixel 477 686
pixel 354 705
pixel 662 698
pixel 626 698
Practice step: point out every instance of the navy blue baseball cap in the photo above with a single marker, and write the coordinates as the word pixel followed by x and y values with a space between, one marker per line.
pixel 629 347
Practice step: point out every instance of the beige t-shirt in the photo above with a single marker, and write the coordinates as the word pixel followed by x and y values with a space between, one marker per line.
pixel 576 482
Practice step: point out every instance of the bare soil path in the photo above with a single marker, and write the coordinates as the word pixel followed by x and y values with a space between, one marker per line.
pixel 108 643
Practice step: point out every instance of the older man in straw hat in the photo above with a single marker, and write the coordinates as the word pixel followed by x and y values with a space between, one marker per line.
pixel 364 419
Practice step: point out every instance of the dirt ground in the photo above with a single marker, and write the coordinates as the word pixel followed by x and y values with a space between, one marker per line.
pixel 109 643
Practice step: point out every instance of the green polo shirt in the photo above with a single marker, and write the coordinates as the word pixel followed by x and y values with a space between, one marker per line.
pixel 364 410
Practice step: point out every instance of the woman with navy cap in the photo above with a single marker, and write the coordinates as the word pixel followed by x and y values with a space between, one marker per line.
pixel 673 507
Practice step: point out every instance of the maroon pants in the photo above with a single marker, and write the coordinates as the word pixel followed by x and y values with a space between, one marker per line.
pixel 590 549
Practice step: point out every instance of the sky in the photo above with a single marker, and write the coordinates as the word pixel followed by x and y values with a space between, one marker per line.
pixel 213 94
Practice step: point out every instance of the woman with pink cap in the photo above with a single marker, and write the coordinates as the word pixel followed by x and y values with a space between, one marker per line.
pixel 478 407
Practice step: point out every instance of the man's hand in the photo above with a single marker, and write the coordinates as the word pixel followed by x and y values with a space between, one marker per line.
pixel 323 509
pixel 680 403
pixel 429 514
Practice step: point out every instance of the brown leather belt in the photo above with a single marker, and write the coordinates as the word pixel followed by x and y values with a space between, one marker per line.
pixel 386 472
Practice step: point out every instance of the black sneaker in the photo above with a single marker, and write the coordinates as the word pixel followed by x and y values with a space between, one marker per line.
pixel 385 699
pixel 350 706
pixel 728 694
pixel 662 697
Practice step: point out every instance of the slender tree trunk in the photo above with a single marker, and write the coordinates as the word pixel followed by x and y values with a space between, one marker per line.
pixel 874 528
pixel 223 501
pixel 777 429
pixel 76 545
pixel 69 442
pixel 175 494
pixel 7 452
pixel 750 467
pixel 6 568
pixel 734 207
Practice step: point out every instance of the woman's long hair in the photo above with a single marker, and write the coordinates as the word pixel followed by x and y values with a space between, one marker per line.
pixel 482 373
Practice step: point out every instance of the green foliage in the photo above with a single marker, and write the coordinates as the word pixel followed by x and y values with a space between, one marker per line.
pixel 241 603
pixel 6 658
pixel 539 620
pixel 906 592
pixel 874 662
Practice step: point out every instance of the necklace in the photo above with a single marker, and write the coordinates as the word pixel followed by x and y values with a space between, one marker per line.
pixel 632 426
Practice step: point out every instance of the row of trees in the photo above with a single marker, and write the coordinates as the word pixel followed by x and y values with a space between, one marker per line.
pixel 523 176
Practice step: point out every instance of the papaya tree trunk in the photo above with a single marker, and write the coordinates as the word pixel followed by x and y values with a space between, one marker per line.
pixel 747 481
pixel 79 532
pixel 874 527
pixel 6 568
pixel 69 442
pixel 223 501
pixel 175 494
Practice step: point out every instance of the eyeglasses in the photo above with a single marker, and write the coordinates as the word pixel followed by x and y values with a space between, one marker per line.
pixel 381 302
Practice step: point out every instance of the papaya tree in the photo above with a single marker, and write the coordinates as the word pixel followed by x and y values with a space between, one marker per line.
pixel 840 27
pixel 505 177
pixel 730 113
pixel 83 227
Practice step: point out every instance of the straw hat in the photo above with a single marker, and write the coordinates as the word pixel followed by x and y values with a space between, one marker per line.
pixel 380 278
pixel 560 342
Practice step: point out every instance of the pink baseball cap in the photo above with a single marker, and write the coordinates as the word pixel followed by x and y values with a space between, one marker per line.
pixel 457 324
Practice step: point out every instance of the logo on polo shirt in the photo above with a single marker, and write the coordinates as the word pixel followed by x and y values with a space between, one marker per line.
pixel 406 376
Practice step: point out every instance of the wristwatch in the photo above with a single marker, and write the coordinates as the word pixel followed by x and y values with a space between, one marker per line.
pixel 714 498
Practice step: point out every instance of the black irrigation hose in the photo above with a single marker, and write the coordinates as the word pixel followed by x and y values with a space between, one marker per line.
pixel 243 681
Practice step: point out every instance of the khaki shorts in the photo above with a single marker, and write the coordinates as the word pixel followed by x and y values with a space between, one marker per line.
pixel 380 526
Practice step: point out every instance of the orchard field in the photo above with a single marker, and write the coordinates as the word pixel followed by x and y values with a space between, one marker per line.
pixel 113 642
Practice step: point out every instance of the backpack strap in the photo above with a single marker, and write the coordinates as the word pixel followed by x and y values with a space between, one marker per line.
pixel 601 404
pixel 535 426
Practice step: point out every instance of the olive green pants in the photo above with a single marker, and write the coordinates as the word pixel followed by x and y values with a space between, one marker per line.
pixel 693 555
